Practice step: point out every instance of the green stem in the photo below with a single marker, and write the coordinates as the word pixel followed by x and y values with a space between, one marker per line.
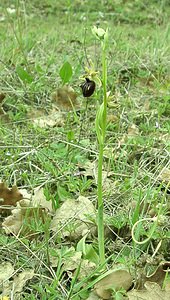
pixel 100 161
pixel 100 207
pixel 104 76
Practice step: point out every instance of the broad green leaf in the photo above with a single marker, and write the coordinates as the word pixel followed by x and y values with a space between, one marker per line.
pixel 87 250
pixel 81 245
pixel 24 75
pixel 91 254
pixel 66 72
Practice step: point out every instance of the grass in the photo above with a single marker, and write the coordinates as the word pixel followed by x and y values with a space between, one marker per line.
pixel 39 39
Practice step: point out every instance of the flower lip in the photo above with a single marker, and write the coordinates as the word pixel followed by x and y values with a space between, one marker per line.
pixel 88 87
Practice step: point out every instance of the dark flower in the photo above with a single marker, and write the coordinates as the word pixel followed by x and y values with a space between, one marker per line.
pixel 88 87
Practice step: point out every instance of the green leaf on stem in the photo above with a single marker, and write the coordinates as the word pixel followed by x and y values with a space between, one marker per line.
pixel 99 124
pixel 66 72
pixel 24 75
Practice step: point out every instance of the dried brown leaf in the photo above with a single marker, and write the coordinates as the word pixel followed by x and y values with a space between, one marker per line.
pixel 89 169
pixel 87 267
pixel 13 223
pixel 6 270
pixel 28 209
pixel 17 285
pixel 112 118
pixel 24 211
pixel 65 98
pixel 152 292
pixel 116 280
pixel 165 175
pixel 133 130
pixel 73 262
pixel 39 199
pixel 93 296
pixel 71 218
pixel 9 196
pixel 54 118
pixel 158 276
